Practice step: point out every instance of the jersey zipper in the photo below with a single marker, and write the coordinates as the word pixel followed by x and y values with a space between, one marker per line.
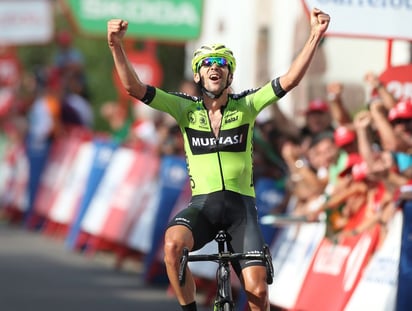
pixel 217 146
pixel 220 163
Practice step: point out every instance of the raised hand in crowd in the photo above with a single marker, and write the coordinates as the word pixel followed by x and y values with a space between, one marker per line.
pixel 378 89
pixel 340 114
pixel 362 122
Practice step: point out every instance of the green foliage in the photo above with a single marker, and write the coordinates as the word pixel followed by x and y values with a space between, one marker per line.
pixel 99 64
pixel 99 67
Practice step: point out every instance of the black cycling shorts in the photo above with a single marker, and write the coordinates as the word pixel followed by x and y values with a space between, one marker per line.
pixel 231 211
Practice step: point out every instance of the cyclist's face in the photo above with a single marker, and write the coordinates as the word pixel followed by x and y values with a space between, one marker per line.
pixel 214 77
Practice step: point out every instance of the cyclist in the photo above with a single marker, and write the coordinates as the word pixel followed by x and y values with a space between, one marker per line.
pixel 217 129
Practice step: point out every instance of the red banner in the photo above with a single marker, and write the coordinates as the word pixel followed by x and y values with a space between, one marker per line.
pixel 335 272
pixel 398 80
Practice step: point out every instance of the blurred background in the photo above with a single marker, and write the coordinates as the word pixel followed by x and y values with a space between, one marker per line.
pixel 82 161
pixel 265 35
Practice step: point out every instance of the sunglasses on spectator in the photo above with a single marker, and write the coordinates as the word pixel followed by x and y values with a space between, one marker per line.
pixel 219 61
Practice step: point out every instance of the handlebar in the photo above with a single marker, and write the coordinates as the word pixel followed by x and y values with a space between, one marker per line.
pixel 225 257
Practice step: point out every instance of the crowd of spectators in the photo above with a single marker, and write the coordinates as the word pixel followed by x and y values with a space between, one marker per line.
pixel 342 165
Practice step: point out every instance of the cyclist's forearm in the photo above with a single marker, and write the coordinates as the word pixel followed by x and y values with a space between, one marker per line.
pixel 300 65
pixel 128 76
pixel 319 22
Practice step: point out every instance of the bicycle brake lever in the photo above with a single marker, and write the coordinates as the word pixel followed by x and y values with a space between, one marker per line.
pixel 182 268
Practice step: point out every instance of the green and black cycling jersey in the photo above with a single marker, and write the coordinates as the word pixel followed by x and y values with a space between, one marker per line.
pixel 223 162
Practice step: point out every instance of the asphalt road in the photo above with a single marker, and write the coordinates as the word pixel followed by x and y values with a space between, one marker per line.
pixel 37 272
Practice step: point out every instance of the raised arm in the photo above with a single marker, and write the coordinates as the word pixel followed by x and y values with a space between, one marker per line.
pixel 116 30
pixel 319 22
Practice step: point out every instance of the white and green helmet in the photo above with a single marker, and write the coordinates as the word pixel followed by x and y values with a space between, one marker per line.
pixel 213 50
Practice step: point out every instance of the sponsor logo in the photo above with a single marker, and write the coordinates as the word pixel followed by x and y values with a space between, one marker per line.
pixel 233 140
pixel 231 119
pixel 203 120
pixel 199 118
pixel 191 117
pixel 181 219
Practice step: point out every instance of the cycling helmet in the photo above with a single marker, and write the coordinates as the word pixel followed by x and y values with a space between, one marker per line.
pixel 213 50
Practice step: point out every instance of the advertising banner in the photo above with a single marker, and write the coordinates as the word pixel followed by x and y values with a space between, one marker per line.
pixel 269 195
pixel 335 272
pixel 366 18
pixel 26 22
pixel 71 193
pixel 102 154
pixel 157 19
pixel 398 81
pixel 99 209
pixel 130 197
pixel 292 253
pixel 377 287
pixel 404 297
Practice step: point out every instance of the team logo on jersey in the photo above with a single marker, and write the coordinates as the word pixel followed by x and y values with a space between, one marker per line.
pixel 233 140
pixel 202 120
pixel 191 117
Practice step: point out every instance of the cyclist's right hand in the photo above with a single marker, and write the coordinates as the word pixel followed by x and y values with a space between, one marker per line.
pixel 116 29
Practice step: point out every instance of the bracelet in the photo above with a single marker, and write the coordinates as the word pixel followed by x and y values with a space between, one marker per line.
pixel 299 163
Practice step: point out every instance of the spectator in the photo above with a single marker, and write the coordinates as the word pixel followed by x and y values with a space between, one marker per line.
pixel 317 119
pixel 400 117
pixel 70 62
pixel 43 126
pixel 340 114
pixel 118 119
pixel 345 138
pixel 76 109
pixel 303 183
pixel 380 204
pixel 379 90
pixel 189 87
pixel 348 197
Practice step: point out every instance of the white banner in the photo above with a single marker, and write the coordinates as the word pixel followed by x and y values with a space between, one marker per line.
pixel 99 208
pixel 377 288
pixel 292 253
pixel 389 19
pixel 26 21
pixel 69 198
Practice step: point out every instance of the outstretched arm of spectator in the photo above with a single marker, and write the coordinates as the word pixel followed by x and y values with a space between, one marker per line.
pixel 305 183
pixel 340 114
pixel 284 124
pixel 116 30
pixel 319 22
pixel 362 122
pixel 388 139
pixel 377 86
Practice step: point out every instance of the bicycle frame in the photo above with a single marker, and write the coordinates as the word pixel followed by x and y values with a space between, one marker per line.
pixel 224 258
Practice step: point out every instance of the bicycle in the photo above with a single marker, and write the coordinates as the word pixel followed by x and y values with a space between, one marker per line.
pixel 225 258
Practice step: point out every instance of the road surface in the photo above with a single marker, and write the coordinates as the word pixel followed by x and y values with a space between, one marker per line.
pixel 38 273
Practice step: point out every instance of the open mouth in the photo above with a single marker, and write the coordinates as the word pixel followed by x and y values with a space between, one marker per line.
pixel 214 77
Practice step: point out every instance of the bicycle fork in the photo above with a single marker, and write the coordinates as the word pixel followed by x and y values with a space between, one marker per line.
pixel 224 299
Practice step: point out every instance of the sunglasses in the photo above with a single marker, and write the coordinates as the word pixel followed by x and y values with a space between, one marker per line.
pixel 219 61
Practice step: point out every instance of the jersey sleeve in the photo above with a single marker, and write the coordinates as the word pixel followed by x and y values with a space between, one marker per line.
pixel 172 104
pixel 265 96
